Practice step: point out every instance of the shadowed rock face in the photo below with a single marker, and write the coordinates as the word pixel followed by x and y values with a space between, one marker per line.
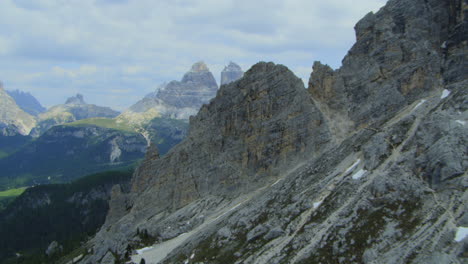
pixel 231 73
pixel 367 166
pixel 27 102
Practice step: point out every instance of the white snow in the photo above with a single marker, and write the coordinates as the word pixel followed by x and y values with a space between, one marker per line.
pixel 419 104
pixel 461 122
pixel 317 204
pixel 445 93
pixel 462 232
pixel 141 250
pixel 359 174
pixel 444 45
pixel 353 166
pixel 192 256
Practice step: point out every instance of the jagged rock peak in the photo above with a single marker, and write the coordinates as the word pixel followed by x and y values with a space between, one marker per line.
pixel 231 73
pixel 199 67
pixel 77 99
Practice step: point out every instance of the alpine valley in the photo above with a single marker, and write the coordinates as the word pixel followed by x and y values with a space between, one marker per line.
pixel 368 164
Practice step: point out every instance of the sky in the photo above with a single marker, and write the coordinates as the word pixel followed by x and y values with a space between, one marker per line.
pixel 116 51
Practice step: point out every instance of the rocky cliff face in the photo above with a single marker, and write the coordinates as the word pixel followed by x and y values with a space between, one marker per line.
pixel 27 102
pixel 369 166
pixel 75 108
pixel 231 73
pixel 176 99
pixel 13 120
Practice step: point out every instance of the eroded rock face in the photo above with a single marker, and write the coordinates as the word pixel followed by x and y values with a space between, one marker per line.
pixel 231 73
pixel 371 168
pixel 250 133
pixel 402 53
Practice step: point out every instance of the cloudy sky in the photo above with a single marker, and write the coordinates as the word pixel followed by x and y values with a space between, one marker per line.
pixel 116 51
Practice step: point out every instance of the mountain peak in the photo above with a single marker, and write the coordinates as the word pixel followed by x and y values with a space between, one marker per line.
pixel 199 67
pixel 231 73
pixel 232 67
pixel 77 99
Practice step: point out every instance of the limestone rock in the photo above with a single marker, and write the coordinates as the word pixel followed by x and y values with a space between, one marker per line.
pixel 370 168
pixel 176 99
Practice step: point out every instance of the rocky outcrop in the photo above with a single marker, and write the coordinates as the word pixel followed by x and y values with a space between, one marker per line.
pixel 78 99
pixel 74 109
pixel 13 120
pixel 27 102
pixel 231 73
pixel 402 53
pixel 176 99
pixel 367 166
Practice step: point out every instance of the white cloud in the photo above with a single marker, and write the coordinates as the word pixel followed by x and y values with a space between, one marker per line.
pixel 98 47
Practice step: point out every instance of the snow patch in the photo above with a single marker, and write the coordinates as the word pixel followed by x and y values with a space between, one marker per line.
pixel 419 104
pixel 353 166
pixel 140 251
pixel 317 204
pixel 192 256
pixel 462 232
pixel 359 174
pixel 461 122
pixel 445 93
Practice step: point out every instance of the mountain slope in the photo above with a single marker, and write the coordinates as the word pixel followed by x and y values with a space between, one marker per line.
pixel 367 166
pixel 67 152
pixel 67 212
pixel 27 102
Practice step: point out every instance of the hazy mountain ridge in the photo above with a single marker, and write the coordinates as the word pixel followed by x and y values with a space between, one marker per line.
pixel 369 167
pixel 27 102
pixel 75 108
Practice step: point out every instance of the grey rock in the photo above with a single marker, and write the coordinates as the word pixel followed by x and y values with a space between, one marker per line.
pixel 231 73
pixel 178 99
pixel 257 232
pixel 265 154
pixel 274 233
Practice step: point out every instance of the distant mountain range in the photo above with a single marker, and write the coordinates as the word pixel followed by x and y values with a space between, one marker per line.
pixel 75 138
pixel 27 102
pixel 75 108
